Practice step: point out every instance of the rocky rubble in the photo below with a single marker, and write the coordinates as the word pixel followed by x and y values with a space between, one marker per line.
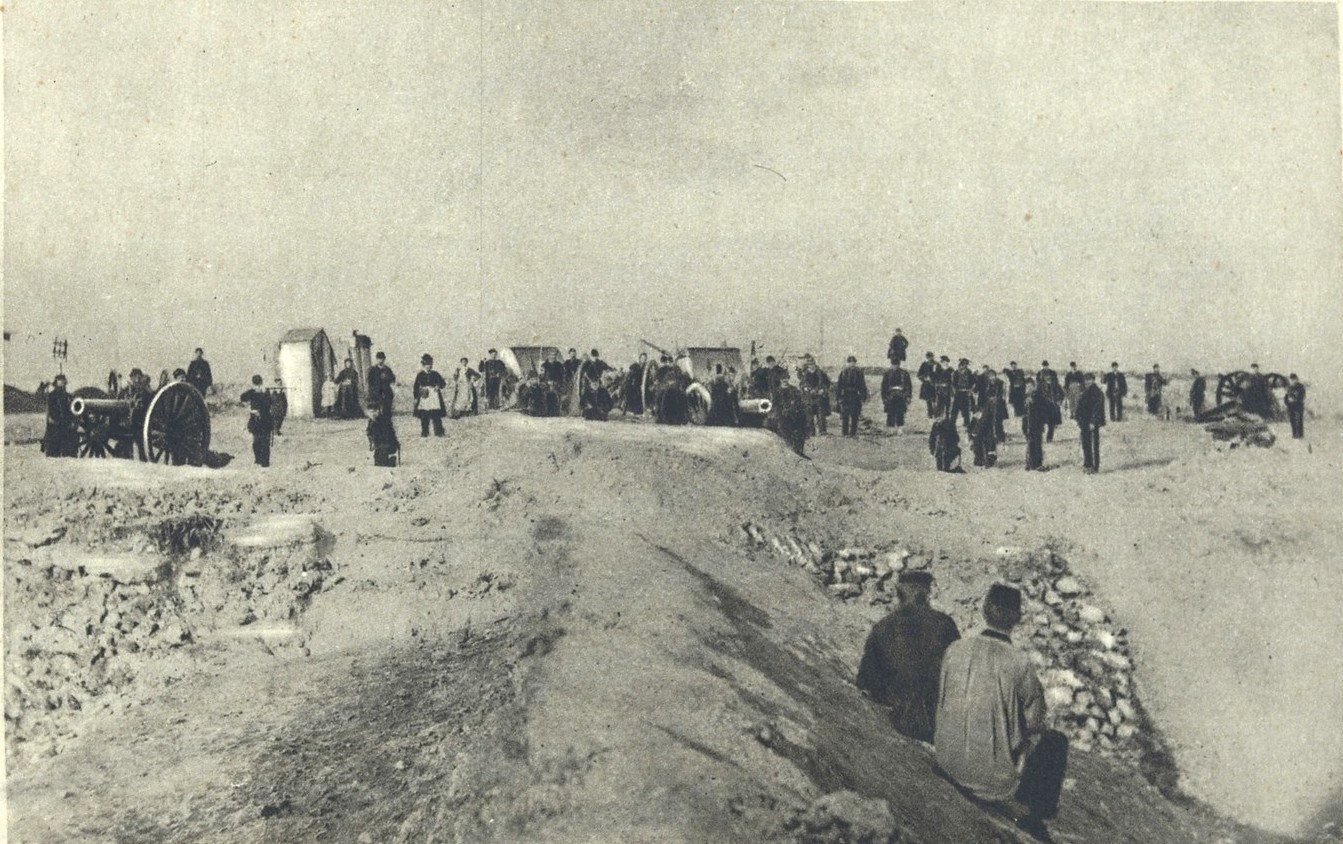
pixel 1082 654
pixel 88 615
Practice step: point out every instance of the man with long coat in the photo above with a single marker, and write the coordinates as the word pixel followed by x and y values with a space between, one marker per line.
pixel 1116 387
pixel 198 372
pixel 1295 401
pixel 898 348
pixel 1152 385
pixel 942 386
pixel 788 415
pixel 895 393
pixel 1198 391
pixel 380 381
pixel 815 386
pixel 927 375
pixel 1016 388
pixel 902 657
pixel 429 405
pixel 851 390
pixel 347 393
pixel 1090 416
pixel 59 439
pixel 493 371
pixel 259 422
pixel 1033 424
pixel 1256 397
pixel 634 385
pixel 962 388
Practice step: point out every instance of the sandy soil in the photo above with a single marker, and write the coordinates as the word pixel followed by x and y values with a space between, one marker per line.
pixel 557 630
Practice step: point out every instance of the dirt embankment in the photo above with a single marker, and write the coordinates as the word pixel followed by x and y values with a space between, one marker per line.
pixel 534 630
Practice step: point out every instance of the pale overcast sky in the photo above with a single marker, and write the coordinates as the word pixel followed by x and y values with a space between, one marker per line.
pixel 1147 181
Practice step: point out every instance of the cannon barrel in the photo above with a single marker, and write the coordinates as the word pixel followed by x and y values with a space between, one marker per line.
pixel 103 407
pixel 755 406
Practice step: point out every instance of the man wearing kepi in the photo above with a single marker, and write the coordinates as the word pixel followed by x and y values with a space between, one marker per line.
pixel 429 408
pixel 851 390
pixel 493 371
pixel 990 734
pixel 903 655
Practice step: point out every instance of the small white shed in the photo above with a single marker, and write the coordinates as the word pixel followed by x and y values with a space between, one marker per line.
pixel 305 360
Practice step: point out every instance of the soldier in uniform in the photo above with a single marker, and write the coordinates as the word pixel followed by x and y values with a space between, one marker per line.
pixel 198 372
pixel 851 390
pixel 381 432
pixel 1198 391
pixel 963 392
pixel 1152 384
pixel 279 405
pixel 944 444
pixel 898 347
pixel 1116 387
pixel 1295 401
pixel 722 398
pixel 895 392
pixel 788 415
pixel 259 423
pixel 815 386
pixel 1090 416
pixel 1016 388
pixel 942 386
pixel 997 406
pixel 594 400
pixel 59 439
pixel 1256 397
pixel 380 381
pixel 493 371
pixel 1048 393
pixel 1033 424
pixel 983 438
pixel 926 374
pixel 634 385
pixel 673 407
pixel 429 407
pixel 902 657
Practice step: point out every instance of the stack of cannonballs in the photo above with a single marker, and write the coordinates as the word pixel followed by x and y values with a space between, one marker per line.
pixel 1083 657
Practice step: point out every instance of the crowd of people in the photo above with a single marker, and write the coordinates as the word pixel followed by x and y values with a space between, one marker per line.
pixel 960 402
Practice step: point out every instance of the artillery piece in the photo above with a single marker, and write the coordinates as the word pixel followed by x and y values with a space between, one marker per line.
pixel 170 425
pixel 1236 395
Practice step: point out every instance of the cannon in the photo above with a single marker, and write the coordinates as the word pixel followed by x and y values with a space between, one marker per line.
pixel 1235 394
pixel 170 425
pixel 699 363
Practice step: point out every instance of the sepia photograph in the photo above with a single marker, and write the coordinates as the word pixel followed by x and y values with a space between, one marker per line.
pixel 802 422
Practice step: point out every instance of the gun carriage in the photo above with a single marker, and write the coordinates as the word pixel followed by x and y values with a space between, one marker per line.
pixel 169 425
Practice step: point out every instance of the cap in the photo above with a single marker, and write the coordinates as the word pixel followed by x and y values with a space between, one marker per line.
pixel 918 578
pixel 596 354
pixel 426 358
pixel 965 362
pixel 945 358
pixel 381 356
pixel 1005 597
pixel 851 359
pixel 493 352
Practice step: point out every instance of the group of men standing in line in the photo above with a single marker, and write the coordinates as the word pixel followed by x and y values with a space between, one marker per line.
pixel 978 700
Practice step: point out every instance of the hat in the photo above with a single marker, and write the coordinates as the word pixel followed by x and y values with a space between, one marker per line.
pixel 596 354
pixel 1005 597
pixel 381 356
pixel 964 362
pixel 493 352
pixel 1114 363
pixel 426 358
pixel 851 359
pixel 1044 363
pixel 945 358
pixel 917 578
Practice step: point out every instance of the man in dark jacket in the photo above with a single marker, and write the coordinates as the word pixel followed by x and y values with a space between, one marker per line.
pixel 926 374
pixel 380 381
pixel 493 371
pixel 942 386
pixel 1152 385
pixel 1116 387
pixel 1295 401
pixel 1198 391
pixel 851 390
pixel 895 390
pixel 1090 416
pixel 898 348
pixel 198 372
pixel 1256 398
pixel 634 385
pixel 259 424
pixel 963 392
pixel 815 387
pixel 1016 388
pixel 429 405
pixel 1033 424
pixel 903 656
pixel 944 444
pixel 60 438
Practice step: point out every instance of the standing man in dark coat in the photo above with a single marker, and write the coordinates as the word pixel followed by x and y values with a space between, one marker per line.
pixel 1198 392
pixel 1295 401
pixel 1074 382
pixel 347 393
pixel 1116 387
pixel 1256 397
pixel 198 373
pixel 493 371
pixel 722 398
pixel 851 389
pixel 634 385
pixel 1152 384
pixel 429 405
pixel 380 381
pixel 898 348
pixel 259 423
pixel 983 438
pixel 902 658
pixel 815 386
pixel 1016 388
pixel 926 374
pixel 59 439
pixel 788 416
pixel 1033 425
pixel 944 444
pixel 895 393
pixel 963 392
pixel 1090 416
pixel 552 370
pixel 942 386
pixel 593 399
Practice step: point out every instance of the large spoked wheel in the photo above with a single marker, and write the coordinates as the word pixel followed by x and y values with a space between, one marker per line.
pixel 99 436
pixel 698 404
pixel 177 426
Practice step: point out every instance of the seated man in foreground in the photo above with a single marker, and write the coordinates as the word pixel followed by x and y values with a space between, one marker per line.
pixel 991 737
pixel 903 655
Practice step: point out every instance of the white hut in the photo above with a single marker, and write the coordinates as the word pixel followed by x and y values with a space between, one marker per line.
pixel 305 360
